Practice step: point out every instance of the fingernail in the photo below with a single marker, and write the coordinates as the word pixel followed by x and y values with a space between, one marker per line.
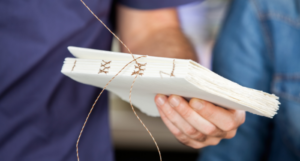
pixel 197 104
pixel 174 102
pixel 161 99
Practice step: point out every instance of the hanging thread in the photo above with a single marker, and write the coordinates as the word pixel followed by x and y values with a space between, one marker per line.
pixel 139 72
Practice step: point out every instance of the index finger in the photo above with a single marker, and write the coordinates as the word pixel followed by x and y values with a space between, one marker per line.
pixel 224 119
pixel 183 108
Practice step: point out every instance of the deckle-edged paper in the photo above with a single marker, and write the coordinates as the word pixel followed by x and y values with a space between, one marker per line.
pixel 190 80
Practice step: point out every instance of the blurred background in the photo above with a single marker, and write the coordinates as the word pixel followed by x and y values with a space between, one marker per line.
pixel 200 22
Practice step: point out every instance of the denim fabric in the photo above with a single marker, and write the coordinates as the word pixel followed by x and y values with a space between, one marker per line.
pixel 259 47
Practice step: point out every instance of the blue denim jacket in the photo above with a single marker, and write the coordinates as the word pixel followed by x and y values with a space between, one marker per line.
pixel 259 47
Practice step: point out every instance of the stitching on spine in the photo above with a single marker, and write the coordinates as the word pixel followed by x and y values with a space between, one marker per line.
pixel 140 70
pixel 105 66
pixel 172 72
pixel 74 65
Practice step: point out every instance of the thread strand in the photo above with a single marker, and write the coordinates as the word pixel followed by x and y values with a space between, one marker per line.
pixel 81 131
pixel 134 59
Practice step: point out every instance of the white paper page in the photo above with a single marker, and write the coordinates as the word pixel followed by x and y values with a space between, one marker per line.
pixel 146 86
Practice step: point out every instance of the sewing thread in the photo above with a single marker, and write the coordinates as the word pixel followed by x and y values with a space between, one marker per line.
pixel 139 70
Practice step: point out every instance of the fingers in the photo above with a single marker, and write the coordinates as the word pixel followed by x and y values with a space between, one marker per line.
pixel 196 144
pixel 198 123
pixel 171 117
pixel 226 120
pixel 230 134
pixel 180 106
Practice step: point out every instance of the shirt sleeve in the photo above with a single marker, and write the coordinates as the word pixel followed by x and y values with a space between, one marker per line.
pixel 154 4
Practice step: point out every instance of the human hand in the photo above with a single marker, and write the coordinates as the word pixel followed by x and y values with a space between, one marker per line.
pixel 198 123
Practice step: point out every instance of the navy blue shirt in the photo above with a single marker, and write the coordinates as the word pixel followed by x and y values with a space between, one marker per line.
pixel 41 110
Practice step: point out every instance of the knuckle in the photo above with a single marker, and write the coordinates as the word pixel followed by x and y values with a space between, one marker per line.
pixel 230 135
pixel 215 142
pixel 185 112
pixel 221 134
pixel 191 131
pixel 177 134
pixel 240 116
pixel 169 113
pixel 199 136
pixel 207 112
pixel 210 130
pixel 196 146
pixel 184 140
pixel 202 138
pixel 230 125
pixel 243 119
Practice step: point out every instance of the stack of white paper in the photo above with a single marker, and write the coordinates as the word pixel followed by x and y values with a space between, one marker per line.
pixel 96 67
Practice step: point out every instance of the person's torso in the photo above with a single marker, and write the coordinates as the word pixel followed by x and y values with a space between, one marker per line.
pixel 41 110
pixel 281 23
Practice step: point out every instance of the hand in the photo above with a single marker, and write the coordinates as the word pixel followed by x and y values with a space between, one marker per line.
pixel 198 123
